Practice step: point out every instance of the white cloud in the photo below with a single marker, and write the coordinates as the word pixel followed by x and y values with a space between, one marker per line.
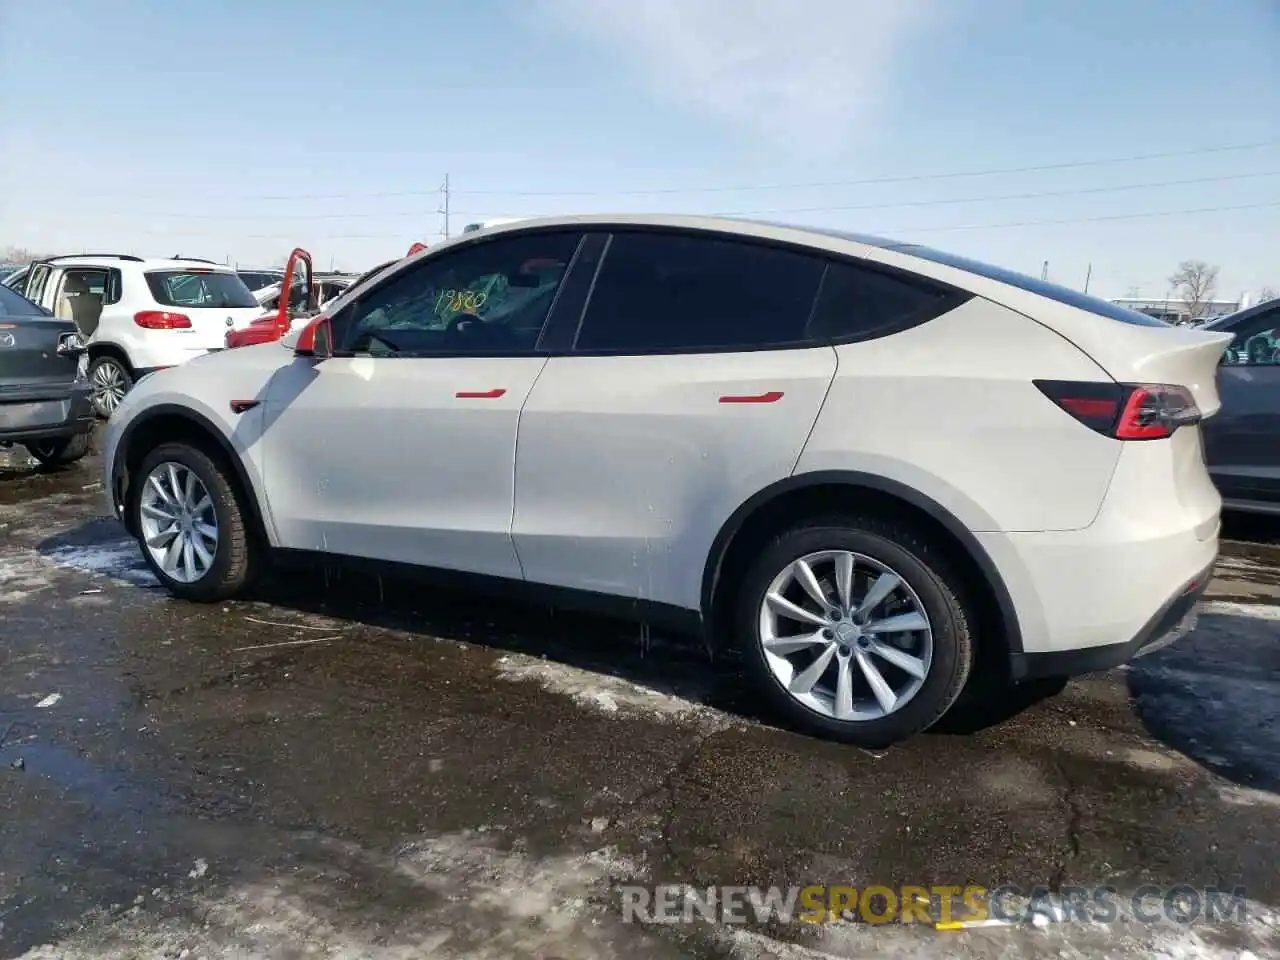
pixel 811 71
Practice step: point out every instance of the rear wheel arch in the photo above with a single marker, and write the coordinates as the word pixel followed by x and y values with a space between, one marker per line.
pixel 821 493
pixel 114 350
pixel 170 423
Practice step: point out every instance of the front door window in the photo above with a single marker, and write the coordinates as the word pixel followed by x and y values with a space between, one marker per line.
pixel 489 298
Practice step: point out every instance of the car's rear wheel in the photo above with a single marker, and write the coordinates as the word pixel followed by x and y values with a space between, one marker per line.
pixel 853 629
pixel 191 523
pixel 110 378
pixel 59 452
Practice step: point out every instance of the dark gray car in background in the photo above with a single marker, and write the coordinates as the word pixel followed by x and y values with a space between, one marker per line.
pixel 1242 440
pixel 44 391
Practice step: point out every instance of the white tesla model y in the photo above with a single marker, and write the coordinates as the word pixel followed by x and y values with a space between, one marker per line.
pixel 883 473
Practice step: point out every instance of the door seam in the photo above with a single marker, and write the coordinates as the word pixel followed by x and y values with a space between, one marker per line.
pixel 515 460
pixel 818 416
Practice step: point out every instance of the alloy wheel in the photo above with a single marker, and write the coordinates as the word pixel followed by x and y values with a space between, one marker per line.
pixel 178 523
pixel 845 635
pixel 108 384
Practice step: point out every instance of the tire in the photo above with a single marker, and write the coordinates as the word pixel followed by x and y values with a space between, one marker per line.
pixel 234 555
pixel 59 452
pixel 931 587
pixel 108 373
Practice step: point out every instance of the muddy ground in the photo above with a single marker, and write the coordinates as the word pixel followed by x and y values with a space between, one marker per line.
pixel 343 767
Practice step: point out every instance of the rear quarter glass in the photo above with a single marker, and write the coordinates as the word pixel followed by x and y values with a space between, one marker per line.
pixel 1050 291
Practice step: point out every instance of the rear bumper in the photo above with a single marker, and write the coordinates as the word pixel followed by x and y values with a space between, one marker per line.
pixel 1173 621
pixel 46 414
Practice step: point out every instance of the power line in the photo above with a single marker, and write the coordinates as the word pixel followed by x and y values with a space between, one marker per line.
pixel 1008 196
pixel 1117 216
pixel 444 209
pixel 910 178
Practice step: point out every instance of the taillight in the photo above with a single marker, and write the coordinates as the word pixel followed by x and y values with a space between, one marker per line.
pixel 161 320
pixel 1125 411
pixel 1155 410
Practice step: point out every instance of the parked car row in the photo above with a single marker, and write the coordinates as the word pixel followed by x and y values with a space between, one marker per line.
pixel 137 315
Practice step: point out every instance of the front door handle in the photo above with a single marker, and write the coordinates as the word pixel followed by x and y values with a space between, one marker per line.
pixel 493 394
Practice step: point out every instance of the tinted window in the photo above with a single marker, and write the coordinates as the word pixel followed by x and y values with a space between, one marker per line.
pixel 860 302
pixel 199 288
pixel 1257 341
pixel 36 281
pixel 17 280
pixel 15 305
pixel 677 292
pixel 490 297
pixel 256 281
pixel 113 286
pixel 1051 291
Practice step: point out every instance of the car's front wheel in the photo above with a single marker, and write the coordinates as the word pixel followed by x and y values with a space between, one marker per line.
pixel 59 452
pixel 853 629
pixel 191 523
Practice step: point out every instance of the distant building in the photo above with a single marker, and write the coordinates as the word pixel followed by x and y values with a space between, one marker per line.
pixel 1173 310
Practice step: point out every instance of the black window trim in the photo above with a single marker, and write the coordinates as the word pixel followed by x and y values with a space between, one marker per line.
pixel 952 297
pixel 437 256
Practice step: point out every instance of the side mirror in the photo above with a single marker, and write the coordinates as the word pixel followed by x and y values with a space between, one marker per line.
pixel 316 340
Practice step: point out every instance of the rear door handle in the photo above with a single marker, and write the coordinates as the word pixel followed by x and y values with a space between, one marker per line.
pixel 773 396
pixel 493 394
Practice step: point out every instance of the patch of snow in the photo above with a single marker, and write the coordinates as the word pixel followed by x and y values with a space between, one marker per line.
pixel 606 693
pixel 120 560
pixel 21 576
pixel 1248 797
pixel 1258 611
pixel 476 901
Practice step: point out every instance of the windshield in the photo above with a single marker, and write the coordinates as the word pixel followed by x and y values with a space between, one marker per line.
pixel 199 288
pixel 16 305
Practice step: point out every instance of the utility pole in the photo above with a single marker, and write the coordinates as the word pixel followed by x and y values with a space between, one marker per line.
pixel 1044 271
pixel 444 205
pixel 1087 275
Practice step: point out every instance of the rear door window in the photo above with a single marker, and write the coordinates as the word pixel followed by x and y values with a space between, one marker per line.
pixel 662 292
pixel 198 288
pixel 36 281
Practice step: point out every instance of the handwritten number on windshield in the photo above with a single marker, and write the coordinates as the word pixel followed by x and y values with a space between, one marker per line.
pixel 460 301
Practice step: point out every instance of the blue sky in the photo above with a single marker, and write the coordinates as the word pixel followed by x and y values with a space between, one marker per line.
pixel 240 128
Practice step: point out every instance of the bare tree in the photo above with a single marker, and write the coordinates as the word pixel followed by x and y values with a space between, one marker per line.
pixel 1195 282
pixel 1267 294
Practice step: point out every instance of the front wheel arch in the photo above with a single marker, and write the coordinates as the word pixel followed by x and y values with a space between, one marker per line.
pixel 168 423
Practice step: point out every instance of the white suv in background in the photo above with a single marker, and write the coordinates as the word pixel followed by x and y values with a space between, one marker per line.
pixel 887 475
pixel 140 315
